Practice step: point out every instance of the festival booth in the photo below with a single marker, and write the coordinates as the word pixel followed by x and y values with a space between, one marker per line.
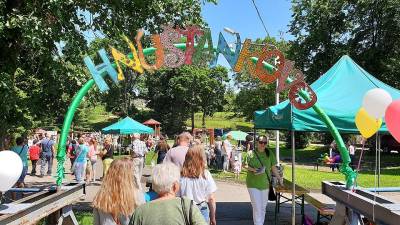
pixel 126 126
pixel 156 124
pixel 340 93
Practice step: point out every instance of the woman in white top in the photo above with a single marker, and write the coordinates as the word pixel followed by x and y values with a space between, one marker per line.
pixel 352 152
pixel 197 183
pixel 227 152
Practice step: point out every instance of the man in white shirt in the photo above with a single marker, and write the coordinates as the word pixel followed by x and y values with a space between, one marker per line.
pixel 139 151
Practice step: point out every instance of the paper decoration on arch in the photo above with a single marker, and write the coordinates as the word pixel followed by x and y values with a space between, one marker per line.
pixel 167 54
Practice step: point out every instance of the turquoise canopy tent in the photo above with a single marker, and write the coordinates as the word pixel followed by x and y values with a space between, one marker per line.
pixel 340 92
pixel 127 126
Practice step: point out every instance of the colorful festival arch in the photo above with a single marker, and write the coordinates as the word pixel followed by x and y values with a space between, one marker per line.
pixel 199 49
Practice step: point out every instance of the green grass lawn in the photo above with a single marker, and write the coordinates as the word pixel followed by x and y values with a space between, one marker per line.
pixel 311 179
pixel 84 218
pixel 222 120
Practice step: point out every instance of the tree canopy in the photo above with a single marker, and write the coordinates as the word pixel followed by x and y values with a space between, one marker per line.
pixel 43 44
pixel 368 31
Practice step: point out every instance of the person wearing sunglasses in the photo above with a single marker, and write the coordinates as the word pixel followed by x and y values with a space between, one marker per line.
pixel 261 162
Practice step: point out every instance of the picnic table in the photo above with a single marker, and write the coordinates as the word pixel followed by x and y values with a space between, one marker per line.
pixel 324 205
pixel 287 189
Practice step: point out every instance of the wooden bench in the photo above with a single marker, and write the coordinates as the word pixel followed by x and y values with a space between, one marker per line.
pixel 287 189
pixel 324 205
pixel 331 165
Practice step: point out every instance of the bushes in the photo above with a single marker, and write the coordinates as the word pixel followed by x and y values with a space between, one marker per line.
pixel 302 139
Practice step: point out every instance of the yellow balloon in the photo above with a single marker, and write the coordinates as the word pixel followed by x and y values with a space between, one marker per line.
pixel 366 124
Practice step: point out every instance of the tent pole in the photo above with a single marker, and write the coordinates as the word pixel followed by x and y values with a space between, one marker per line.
pixel 293 181
pixel 277 132
pixel 254 137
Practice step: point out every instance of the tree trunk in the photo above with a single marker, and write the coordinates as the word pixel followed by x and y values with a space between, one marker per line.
pixel 192 121
pixel 3 135
pixel 203 124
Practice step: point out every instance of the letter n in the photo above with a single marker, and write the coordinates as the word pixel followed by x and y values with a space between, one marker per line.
pixel 225 50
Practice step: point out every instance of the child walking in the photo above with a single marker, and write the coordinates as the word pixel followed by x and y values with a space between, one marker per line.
pixel 237 167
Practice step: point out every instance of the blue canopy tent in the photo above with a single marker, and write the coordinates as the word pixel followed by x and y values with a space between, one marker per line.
pixel 127 126
pixel 340 92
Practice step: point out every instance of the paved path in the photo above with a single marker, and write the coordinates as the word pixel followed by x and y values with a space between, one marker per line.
pixel 233 202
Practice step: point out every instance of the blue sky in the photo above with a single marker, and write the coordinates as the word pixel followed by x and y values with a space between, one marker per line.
pixel 241 16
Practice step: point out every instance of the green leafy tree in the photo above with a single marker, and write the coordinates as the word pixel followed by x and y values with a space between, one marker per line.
pixel 176 94
pixel 368 31
pixel 253 94
pixel 43 43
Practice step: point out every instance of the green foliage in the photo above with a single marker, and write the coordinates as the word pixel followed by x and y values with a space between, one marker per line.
pixel 175 94
pixel 253 94
pixel 43 43
pixel 225 120
pixel 302 139
pixel 249 100
pixel 368 31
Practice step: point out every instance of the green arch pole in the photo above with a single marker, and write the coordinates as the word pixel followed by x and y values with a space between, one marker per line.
pixel 69 116
pixel 349 173
pixel 61 151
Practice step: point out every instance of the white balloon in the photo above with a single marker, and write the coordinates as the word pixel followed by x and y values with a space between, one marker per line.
pixel 10 169
pixel 376 101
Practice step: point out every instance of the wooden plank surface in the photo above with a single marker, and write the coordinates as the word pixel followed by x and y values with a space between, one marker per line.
pixel 287 188
pixel 324 204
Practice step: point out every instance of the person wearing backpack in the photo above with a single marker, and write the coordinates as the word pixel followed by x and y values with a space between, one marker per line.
pixel 72 154
pixel 46 155
pixel 261 162
pixel 22 150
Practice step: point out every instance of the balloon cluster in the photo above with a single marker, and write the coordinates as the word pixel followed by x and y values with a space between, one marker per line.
pixel 10 169
pixel 378 103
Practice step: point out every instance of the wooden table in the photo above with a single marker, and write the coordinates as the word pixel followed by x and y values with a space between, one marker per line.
pixel 287 189
pixel 325 206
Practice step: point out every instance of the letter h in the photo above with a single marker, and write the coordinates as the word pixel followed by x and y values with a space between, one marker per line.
pixel 96 71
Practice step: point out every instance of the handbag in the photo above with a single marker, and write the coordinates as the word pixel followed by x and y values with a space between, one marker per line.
pixel 271 191
pixel 188 221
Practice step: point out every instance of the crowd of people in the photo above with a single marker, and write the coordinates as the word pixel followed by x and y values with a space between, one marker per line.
pixel 40 148
pixel 181 184
pixel 182 189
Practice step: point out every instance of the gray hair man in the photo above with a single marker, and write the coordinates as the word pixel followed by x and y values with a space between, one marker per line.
pixel 46 155
pixel 139 151
pixel 177 155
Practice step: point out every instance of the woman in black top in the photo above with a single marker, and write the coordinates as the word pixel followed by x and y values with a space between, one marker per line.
pixel 162 149
pixel 107 155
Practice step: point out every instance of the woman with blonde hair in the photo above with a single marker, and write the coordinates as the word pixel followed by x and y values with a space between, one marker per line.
pixel 118 196
pixel 197 183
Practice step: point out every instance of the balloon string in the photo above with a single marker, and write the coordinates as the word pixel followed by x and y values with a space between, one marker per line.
pixel 359 163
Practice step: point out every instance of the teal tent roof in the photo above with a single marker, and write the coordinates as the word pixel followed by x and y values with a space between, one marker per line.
pixel 127 126
pixel 340 92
